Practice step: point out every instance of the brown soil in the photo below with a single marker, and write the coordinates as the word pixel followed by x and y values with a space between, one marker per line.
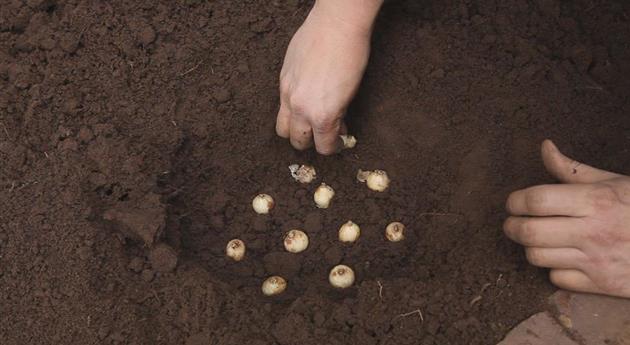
pixel 134 134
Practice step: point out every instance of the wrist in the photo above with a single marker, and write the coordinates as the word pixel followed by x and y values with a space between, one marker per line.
pixel 355 15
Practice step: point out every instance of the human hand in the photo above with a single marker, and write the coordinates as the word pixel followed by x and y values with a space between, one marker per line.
pixel 322 70
pixel 580 229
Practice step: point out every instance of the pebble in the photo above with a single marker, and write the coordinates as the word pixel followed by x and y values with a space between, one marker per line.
pixel 163 258
pixel 147 35
pixel 85 135
pixel 147 275
pixel 222 95
pixel 136 264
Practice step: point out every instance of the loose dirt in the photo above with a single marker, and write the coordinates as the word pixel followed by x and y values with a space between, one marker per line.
pixel 134 134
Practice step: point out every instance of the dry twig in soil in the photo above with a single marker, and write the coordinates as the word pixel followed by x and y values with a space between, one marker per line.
pixel 380 289
pixel 417 311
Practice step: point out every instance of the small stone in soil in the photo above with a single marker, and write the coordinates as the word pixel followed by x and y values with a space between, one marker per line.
pixel 136 264
pixel 147 275
pixel 146 35
pixel 222 95
pixel 85 135
pixel 163 258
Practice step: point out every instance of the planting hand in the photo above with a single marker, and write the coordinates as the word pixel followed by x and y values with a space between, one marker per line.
pixel 580 229
pixel 322 69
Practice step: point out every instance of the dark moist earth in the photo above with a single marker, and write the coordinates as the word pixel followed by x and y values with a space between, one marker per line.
pixel 134 134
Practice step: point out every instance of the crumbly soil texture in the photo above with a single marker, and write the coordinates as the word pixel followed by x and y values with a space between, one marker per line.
pixel 134 135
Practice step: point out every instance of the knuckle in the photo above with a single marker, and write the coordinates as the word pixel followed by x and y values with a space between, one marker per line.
pixel 600 237
pixel 611 284
pixel 509 203
pixel 299 103
pixel 325 151
pixel 299 145
pixel 603 197
pixel 536 200
pixel 508 225
pixel 512 227
pixel 282 131
pixel 557 278
pixel 596 262
pixel 284 87
pixel 535 256
pixel 324 123
pixel 528 232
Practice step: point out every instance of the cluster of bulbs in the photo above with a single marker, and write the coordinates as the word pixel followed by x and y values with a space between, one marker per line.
pixel 296 241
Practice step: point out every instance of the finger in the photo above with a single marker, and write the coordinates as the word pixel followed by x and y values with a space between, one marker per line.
pixel 573 280
pixel 552 200
pixel 300 133
pixel 545 232
pixel 326 135
pixel 283 120
pixel 564 258
pixel 568 170
pixel 344 128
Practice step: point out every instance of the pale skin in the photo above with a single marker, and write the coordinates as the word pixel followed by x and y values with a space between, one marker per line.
pixel 579 228
pixel 322 70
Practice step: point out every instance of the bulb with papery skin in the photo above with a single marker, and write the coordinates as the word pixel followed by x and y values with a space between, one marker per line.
pixel 303 173
pixel 296 241
pixel 395 232
pixel 235 249
pixel 349 141
pixel 274 285
pixel 263 203
pixel 378 180
pixel 323 195
pixel 349 232
pixel 341 277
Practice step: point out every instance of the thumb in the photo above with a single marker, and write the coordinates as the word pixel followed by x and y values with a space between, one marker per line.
pixel 568 170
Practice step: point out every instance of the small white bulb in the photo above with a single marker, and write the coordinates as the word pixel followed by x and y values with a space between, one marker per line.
pixel 395 232
pixel 378 180
pixel 349 141
pixel 263 203
pixel 303 173
pixel 296 241
pixel 235 249
pixel 274 285
pixel 323 195
pixel 341 277
pixel 349 232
